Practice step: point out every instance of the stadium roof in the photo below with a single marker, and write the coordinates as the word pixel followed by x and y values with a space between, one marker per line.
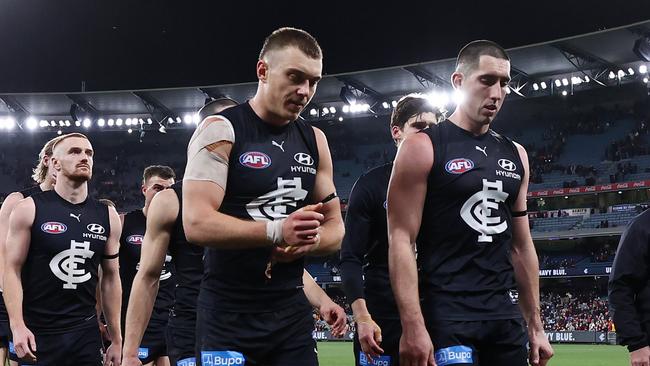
pixel 593 58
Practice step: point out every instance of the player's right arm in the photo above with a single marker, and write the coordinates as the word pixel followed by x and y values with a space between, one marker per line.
pixel 161 217
pixel 7 206
pixel 354 248
pixel 203 192
pixel 17 248
pixel 630 274
pixel 406 194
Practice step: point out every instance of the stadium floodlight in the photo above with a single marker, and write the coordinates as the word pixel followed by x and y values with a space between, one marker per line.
pixel 59 132
pixel 127 122
pixel 543 85
pixel 149 121
pixel 576 80
pixel 61 123
pixel 53 123
pixel 111 122
pixel 67 123
pixel 170 120
pixel 2 123
pixel 129 130
pixel 565 82
pixel 87 123
pixel 612 75
pixel 141 121
pixel 630 71
pixel 31 123
pixel 77 123
pixel 178 119
pixel 393 103
pixel 564 93
pixel 535 87
pixel 436 99
pixel 346 109
pixel 118 122
pixel 643 69
pixel 587 79
pixel 621 74
pixel 313 112
pixel 332 110
pixel 187 119
pixel 340 119
pixel 325 111
pixel 558 83
pixel 10 123
pixel 385 105
pixel 645 79
pixel 508 90
pixel 101 122
pixel 196 118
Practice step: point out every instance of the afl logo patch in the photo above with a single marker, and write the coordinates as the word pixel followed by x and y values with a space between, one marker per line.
pixel 304 159
pixel 53 227
pixel 134 239
pixel 507 165
pixel 255 160
pixel 459 166
pixel 96 228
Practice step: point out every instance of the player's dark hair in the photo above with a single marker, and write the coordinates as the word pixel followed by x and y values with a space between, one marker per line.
pixel 215 107
pixel 285 37
pixel 162 171
pixel 470 55
pixel 108 202
pixel 410 106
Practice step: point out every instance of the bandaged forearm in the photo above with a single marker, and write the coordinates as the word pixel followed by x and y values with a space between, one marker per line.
pixel 274 232
pixel 202 163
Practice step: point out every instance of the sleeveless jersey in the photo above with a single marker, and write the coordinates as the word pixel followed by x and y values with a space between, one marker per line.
pixel 129 257
pixel 466 231
pixel 271 173
pixel 187 259
pixel 59 276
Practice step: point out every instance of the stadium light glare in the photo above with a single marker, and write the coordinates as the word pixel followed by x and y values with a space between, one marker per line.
pixel 77 123
pixel 87 123
pixel 630 71
pixel 111 122
pixel 340 119
pixel 178 119
pixel 332 110
pixel 187 119
pixel 127 122
pixel 436 99
pixel 325 111
pixel 508 91
pixel 53 123
pixel 645 79
pixel 31 123
pixel 129 130
pixel 196 118
pixel 101 122
pixel 313 112
pixel 612 75
pixel 458 97
pixel 643 69
pixel 346 109
pixel 543 85
pixel 59 132
pixel 587 79
pixel 118 122
pixel 141 121
pixel 61 123
pixel 535 87
pixel 10 123
pixel 385 105
pixel 564 93
pixel 394 103
pixel 170 120
pixel 621 74
pixel 149 121
pixel 67 123
pixel 558 83
pixel 565 82
pixel 2 123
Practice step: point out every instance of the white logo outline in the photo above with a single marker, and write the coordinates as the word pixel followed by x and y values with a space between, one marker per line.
pixel 278 145
pixel 477 211
pixel 96 229
pixel 304 159
pixel 482 150
pixel 78 217
pixel 508 165
pixel 64 265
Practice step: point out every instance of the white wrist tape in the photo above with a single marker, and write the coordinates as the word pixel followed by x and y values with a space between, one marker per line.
pixel 274 232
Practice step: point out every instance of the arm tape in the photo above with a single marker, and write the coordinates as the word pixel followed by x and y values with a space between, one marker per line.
pixel 202 164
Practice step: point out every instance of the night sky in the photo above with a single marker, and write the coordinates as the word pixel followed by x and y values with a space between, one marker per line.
pixel 52 45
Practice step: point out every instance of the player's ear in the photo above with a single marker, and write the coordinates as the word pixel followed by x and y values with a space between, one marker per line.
pixel 457 79
pixel 262 70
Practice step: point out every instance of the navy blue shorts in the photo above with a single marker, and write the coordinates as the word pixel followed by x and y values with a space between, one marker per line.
pixel 181 342
pixel 279 338
pixel 391 331
pixel 5 334
pixel 484 342
pixel 82 347
pixel 153 345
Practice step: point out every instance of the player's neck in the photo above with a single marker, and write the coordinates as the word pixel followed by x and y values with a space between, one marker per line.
pixel 71 191
pixel 258 106
pixel 145 209
pixel 463 121
pixel 46 185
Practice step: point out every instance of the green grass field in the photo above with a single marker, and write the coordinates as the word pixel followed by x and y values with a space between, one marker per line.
pixel 340 354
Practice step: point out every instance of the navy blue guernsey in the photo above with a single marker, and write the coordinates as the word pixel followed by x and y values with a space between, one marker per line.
pixel 59 276
pixel 130 246
pixel 364 252
pixel 271 173
pixel 188 264
pixel 466 232
pixel 27 192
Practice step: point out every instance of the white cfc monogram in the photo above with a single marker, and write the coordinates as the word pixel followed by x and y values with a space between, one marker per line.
pixel 65 264
pixel 477 210
pixel 274 205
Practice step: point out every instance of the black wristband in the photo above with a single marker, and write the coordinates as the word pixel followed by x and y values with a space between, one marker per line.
pixel 112 256
pixel 519 213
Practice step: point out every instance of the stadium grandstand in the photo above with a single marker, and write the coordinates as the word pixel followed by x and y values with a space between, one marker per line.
pixel 580 106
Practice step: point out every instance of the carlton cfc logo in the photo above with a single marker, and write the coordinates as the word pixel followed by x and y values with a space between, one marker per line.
pixel 135 239
pixel 53 227
pixel 459 166
pixel 255 160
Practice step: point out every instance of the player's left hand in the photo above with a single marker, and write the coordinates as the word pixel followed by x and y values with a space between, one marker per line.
pixel 113 355
pixel 540 348
pixel 291 253
pixel 335 316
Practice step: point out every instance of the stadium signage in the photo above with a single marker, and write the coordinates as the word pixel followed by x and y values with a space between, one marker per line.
pixel 577 337
pixel 590 189
pixel 576 272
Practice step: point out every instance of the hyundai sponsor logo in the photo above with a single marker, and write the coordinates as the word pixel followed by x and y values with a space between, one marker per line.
pixel 96 228
pixel 304 159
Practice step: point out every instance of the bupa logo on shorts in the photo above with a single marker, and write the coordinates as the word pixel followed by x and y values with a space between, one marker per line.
pixel 12 348
pixel 222 358
pixel 376 361
pixel 190 361
pixel 454 355
pixel 143 352
pixel 53 227
pixel 459 166
pixel 96 228
pixel 304 159
pixel 507 165
pixel 255 160
pixel 134 239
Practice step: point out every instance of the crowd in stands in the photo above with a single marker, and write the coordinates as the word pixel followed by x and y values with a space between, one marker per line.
pixel 574 311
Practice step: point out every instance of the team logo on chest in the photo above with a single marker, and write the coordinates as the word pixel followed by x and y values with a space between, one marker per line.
pixel 255 160
pixel 53 227
pixel 275 204
pixel 459 166
pixel 65 265
pixel 477 211
pixel 134 239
